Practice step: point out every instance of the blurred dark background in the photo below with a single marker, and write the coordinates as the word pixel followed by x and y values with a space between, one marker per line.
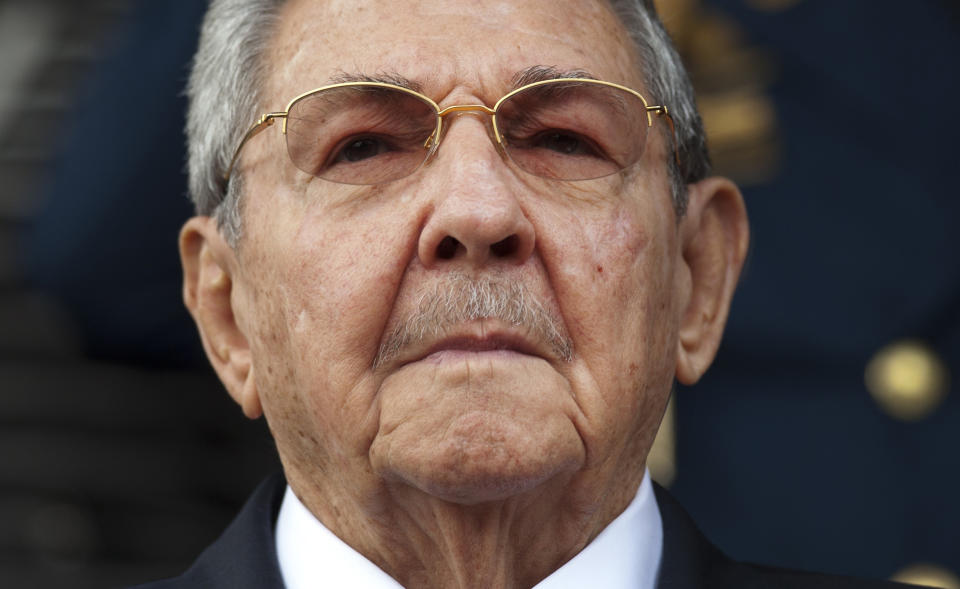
pixel 121 457
pixel 825 437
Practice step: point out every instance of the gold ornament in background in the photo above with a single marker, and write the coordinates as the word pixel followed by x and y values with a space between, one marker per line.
pixel 928 575
pixel 907 379
pixel 662 459
pixel 731 79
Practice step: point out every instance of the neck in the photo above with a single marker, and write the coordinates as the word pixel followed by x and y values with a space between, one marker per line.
pixel 423 541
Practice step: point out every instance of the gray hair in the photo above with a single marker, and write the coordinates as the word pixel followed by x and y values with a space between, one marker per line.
pixel 228 70
pixel 667 82
pixel 224 99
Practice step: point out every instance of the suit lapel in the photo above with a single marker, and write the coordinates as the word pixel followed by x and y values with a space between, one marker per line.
pixel 245 556
pixel 688 557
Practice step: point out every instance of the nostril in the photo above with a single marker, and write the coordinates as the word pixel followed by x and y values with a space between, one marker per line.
pixel 505 247
pixel 447 248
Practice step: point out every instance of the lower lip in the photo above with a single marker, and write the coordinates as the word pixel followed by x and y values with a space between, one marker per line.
pixel 441 356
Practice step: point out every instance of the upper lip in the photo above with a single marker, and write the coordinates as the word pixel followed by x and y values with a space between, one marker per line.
pixel 476 337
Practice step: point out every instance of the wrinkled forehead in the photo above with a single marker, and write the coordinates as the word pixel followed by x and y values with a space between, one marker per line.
pixel 444 46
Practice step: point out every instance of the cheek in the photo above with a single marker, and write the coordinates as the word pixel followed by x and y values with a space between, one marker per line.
pixel 331 278
pixel 632 268
pixel 344 270
pixel 621 246
pixel 612 273
pixel 601 269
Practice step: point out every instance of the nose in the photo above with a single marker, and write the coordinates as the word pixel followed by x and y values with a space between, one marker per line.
pixel 477 218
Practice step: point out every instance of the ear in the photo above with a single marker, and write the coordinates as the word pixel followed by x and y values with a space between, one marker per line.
pixel 209 264
pixel 715 235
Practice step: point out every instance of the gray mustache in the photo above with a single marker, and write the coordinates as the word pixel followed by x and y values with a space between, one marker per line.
pixel 458 299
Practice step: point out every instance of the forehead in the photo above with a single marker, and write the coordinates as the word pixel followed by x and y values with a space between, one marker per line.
pixel 445 45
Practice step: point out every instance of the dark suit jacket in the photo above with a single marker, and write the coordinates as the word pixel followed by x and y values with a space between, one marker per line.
pixel 244 557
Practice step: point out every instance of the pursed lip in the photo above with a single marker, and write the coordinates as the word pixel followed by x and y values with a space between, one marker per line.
pixel 477 339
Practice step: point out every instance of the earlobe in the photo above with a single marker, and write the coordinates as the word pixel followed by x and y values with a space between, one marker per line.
pixel 209 264
pixel 715 235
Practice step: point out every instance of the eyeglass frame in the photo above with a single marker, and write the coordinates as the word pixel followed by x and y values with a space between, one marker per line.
pixel 433 140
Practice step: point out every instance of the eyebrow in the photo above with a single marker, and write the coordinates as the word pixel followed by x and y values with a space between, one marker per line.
pixel 381 78
pixel 542 73
pixel 529 75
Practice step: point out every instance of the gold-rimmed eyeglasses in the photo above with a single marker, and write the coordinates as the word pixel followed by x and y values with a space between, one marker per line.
pixel 374 132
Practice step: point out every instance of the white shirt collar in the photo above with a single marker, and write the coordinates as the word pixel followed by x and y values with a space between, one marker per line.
pixel 625 555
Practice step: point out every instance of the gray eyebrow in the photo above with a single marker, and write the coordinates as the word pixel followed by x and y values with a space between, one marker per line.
pixel 529 75
pixel 541 73
pixel 380 78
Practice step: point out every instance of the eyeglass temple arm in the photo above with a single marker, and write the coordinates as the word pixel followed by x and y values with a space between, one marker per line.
pixel 663 111
pixel 265 120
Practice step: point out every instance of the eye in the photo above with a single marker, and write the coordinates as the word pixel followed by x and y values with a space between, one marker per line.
pixel 357 149
pixel 558 141
pixel 562 142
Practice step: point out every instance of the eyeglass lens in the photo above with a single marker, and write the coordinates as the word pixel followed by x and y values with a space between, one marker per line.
pixel 374 134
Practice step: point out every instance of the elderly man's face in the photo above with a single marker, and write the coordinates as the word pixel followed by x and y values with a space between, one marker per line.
pixel 328 274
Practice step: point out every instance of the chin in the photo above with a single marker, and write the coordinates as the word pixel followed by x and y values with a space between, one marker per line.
pixel 472 488
pixel 480 470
